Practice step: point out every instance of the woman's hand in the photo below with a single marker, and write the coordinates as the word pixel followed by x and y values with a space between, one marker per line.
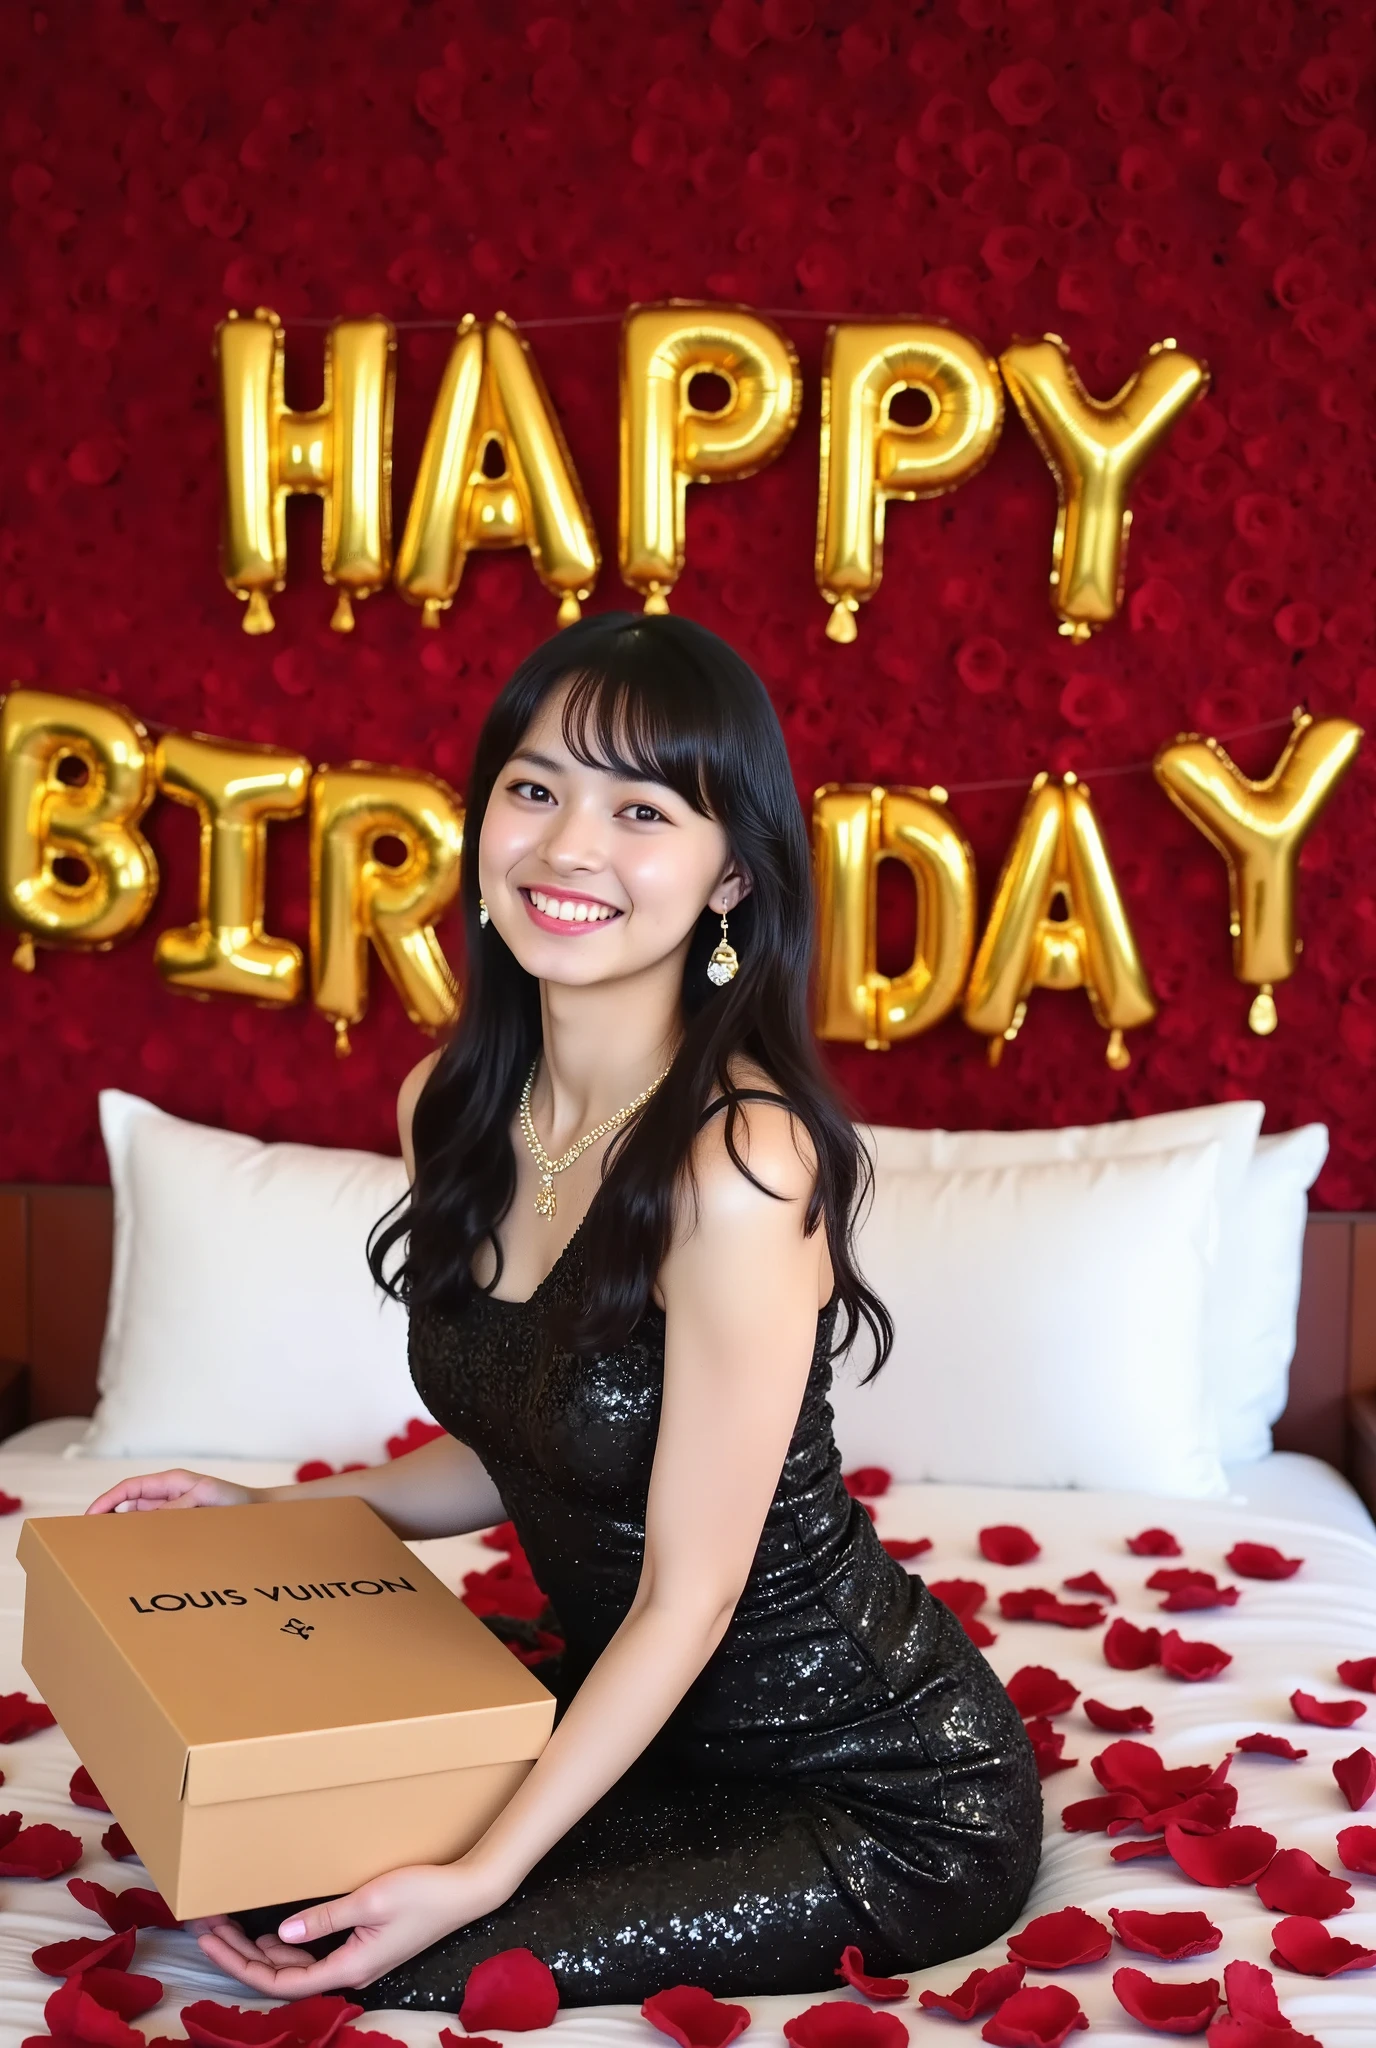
pixel 393 1918
pixel 173 1489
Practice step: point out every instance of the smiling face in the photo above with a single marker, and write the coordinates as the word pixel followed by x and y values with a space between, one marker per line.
pixel 590 874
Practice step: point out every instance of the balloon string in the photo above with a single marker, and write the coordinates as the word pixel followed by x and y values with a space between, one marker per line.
pixel 1240 732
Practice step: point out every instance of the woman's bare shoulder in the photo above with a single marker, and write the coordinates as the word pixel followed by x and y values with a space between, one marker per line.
pixel 408 1095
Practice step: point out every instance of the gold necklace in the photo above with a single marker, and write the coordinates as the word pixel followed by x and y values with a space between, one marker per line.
pixel 545 1200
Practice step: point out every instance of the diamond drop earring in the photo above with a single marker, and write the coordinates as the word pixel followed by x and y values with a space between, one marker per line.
pixel 723 965
pixel 484 916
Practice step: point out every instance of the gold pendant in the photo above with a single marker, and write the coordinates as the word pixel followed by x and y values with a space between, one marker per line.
pixel 546 1199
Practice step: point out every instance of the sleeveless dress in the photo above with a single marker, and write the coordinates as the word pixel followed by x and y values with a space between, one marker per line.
pixel 845 1769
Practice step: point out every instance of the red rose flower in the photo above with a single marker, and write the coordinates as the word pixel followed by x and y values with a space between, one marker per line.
pixel 1023 93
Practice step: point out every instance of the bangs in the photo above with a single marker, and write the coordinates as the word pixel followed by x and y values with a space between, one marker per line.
pixel 650 725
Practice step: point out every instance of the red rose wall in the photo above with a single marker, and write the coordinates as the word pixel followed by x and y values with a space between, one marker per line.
pixel 1112 173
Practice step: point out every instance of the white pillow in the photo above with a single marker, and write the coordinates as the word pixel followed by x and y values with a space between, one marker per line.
pixel 243 1321
pixel 1256 1292
pixel 1049 1325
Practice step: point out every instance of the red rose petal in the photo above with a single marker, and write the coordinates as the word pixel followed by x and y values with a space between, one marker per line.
pixel 981 1990
pixel 1048 1747
pixel 1125 1852
pixel 64 1958
pixel 1251 1994
pixel 843 2024
pixel 1192 1661
pixel 40 1851
pixel 135 1906
pixel 691 2016
pixel 1168 2008
pixel 1037 1690
pixel 1195 1599
pixel 962 1596
pixel 313 1468
pixel 514 1990
pixel 10 1503
pixel 1203 1813
pixel 867 1482
pixel 1135 1767
pixel 1037 2018
pixel 1326 1713
pixel 904 1550
pixel 21 1716
pixel 1356 1776
pixel 1187 1778
pixel 1270 1745
pixel 1089 1582
pixel 117 1844
pixel 1131 1649
pixel 1154 1543
pixel 1295 1883
pixel 448 2039
pixel 369 2037
pixel 1306 1945
pixel 1261 1561
pixel 1168 1577
pixel 1233 1856
pixel 306 2023
pixel 1168 1936
pixel 852 1969
pixel 1057 1941
pixel 1069 1613
pixel 82 1790
pixel 1006 1543
pixel 1119 1720
pixel 74 2015
pixel 120 1991
pixel 413 1438
pixel 1359 1672
pixel 980 1634
pixel 502 1536
pixel 1017 1605
pixel 1357 1850
pixel 1095 1816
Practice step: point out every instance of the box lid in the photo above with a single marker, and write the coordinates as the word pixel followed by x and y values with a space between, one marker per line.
pixel 293 1645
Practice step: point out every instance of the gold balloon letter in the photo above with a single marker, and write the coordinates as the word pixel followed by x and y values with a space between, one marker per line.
pixel 1094 449
pixel 668 442
pixel 76 775
pixel 343 451
pixel 234 789
pixel 1259 828
pixel 495 473
pixel 853 829
pixel 868 457
pixel 1058 858
pixel 357 896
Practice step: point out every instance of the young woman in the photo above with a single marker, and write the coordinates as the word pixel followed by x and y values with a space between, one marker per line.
pixel 626 1252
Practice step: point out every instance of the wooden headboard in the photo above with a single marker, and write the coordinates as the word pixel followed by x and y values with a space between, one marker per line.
pixel 55 1276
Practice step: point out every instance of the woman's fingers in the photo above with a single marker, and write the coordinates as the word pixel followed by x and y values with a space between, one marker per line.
pixel 148 1490
pixel 340 1971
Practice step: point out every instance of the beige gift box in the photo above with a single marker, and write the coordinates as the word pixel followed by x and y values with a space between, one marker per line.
pixel 278 1701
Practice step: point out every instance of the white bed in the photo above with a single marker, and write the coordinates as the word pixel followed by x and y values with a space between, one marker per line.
pixel 1282 1635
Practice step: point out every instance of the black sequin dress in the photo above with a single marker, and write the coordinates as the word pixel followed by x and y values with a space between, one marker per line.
pixel 846 1768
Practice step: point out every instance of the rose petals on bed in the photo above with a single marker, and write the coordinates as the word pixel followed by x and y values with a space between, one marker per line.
pixel 1168 2008
pixel 65 1958
pixel 1037 1690
pixel 10 1503
pixel 1305 1944
pixel 1170 1937
pixel 1261 1561
pixel 980 1990
pixel 904 1549
pixel 1154 1543
pixel 1188 1592
pixel 82 1790
pixel 21 1716
pixel 1295 1883
pixel 1270 1745
pixel 1006 1543
pixel 304 2023
pixel 690 2015
pixel 1048 1747
pixel 1203 1813
pixel 1018 1603
pixel 965 1597
pixel 852 1968
pixel 1127 1648
pixel 1359 1672
pixel 867 1482
pixel 413 1438
pixel 1356 1778
pixel 1126 1852
pixel 1096 1816
pixel 1357 1850
pixel 512 1990
pixel 120 1991
pixel 1069 1613
pixel 117 1844
pixel 1326 1713
pixel 135 1906
pixel 449 2039
pixel 842 2024
pixel 1232 1856
pixel 1058 1941
pixel 74 2015
pixel 1119 1720
pixel 367 2037
pixel 1038 2017
pixel 1192 1661
pixel 1090 1582
pixel 40 1851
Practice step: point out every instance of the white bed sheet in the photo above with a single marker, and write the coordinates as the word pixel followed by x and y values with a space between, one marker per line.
pixel 1282 1635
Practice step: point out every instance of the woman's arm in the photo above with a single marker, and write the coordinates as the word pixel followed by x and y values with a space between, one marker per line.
pixel 741 1290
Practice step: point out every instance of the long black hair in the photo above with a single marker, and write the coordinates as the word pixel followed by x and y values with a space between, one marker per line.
pixel 662 698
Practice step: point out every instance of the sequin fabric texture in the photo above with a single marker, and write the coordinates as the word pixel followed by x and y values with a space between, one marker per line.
pixel 846 1768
